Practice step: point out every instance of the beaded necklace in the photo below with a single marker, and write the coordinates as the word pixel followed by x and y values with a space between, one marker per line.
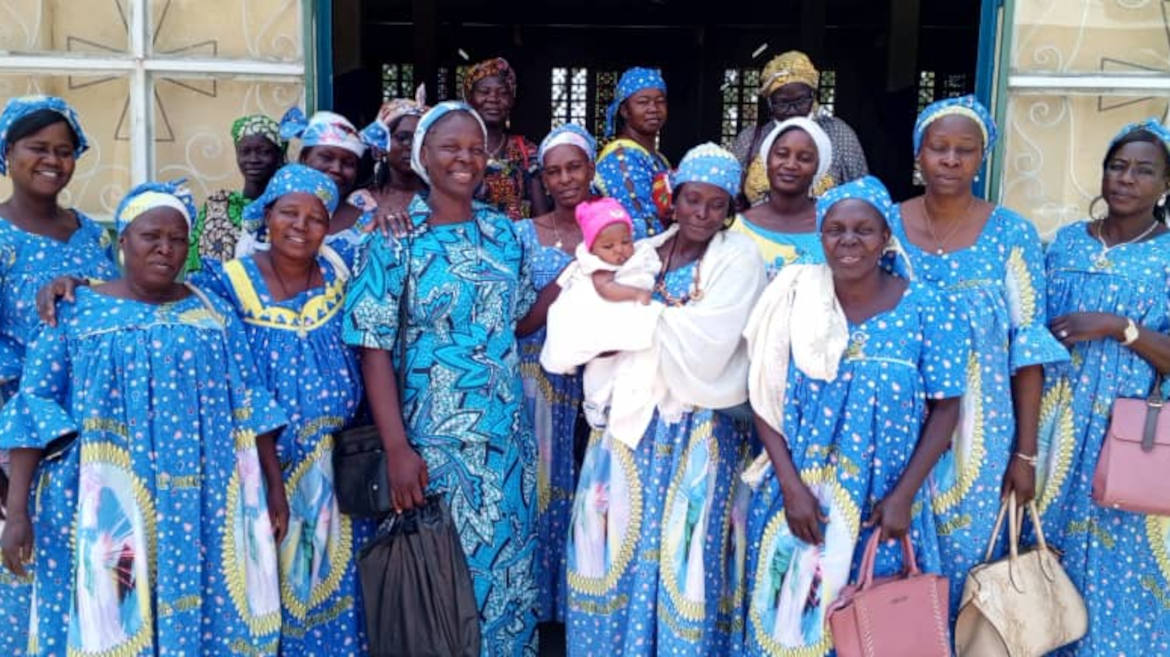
pixel 695 293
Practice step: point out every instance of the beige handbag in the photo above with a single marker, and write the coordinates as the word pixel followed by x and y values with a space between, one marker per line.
pixel 1023 605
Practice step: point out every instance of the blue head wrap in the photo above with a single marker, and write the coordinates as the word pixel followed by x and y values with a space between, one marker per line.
pixel 967 106
pixel 872 191
pixel 427 121
pixel 571 134
pixel 1150 125
pixel 322 129
pixel 152 195
pixel 631 82
pixel 18 108
pixel 288 179
pixel 709 163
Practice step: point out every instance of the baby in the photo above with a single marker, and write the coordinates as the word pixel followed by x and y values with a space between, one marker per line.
pixel 608 237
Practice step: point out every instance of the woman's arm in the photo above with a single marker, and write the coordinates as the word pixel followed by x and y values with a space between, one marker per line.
pixel 609 289
pixel 802 510
pixel 278 512
pixel 1020 477
pixel 16 541
pixel 405 469
pixel 1151 345
pixel 538 315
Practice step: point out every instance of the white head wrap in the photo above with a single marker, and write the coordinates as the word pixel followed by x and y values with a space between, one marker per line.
pixel 820 140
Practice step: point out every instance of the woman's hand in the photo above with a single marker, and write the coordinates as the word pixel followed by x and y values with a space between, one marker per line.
pixel 16 543
pixel 398 224
pixel 407 474
pixel 892 516
pixel 803 512
pixel 1082 327
pixel 278 512
pixel 1020 478
pixel 58 289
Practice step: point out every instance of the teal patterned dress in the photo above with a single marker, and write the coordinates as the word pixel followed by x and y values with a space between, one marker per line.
pixel 1118 560
pixel 151 526
pixel 316 380
pixel 465 286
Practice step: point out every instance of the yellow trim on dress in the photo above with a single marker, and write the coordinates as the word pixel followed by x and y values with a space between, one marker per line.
pixel 317 311
pixel 967 470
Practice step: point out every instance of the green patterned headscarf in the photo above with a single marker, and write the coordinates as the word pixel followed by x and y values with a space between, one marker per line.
pixel 258 124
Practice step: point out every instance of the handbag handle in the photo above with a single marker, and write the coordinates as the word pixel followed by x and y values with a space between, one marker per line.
pixel 910 564
pixel 1154 403
pixel 1015 524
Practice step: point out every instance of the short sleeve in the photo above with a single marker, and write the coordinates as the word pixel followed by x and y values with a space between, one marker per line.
pixel 1031 343
pixel 525 287
pixel 631 185
pixel 852 155
pixel 946 347
pixel 372 297
pixel 212 278
pixel 36 416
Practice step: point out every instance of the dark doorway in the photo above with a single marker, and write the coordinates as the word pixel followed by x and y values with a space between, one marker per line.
pixel 881 61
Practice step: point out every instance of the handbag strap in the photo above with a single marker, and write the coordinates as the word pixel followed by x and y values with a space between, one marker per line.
pixel 1154 404
pixel 910 563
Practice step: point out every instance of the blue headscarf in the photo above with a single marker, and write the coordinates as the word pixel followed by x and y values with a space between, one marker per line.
pixel 18 108
pixel 322 129
pixel 288 179
pixel 152 195
pixel 571 134
pixel 872 191
pixel 709 163
pixel 967 106
pixel 1150 125
pixel 427 121
pixel 631 82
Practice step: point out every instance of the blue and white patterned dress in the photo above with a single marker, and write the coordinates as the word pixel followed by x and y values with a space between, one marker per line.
pixel 997 284
pixel 316 380
pixel 626 172
pixel 151 527
pixel 1119 561
pixel 781 249
pixel 650 553
pixel 28 262
pixel 553 401
pixel 463 402
pixel 850 439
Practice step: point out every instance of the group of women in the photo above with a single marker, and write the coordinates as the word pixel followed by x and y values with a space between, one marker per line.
pixel 827 363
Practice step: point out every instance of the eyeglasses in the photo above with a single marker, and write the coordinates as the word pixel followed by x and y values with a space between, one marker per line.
pixel 796 105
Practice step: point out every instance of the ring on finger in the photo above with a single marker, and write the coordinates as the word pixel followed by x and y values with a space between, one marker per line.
pixel 1063 333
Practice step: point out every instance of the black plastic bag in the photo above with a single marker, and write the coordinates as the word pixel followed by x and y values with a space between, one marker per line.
pixel 417 588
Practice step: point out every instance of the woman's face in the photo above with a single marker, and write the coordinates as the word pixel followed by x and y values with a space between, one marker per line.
pixel 853 236
pixel 493 100
pixel 401 138
pixel 154 248
pixel 567 174
pixel 1134 178
pixel 258 159
pixel 454 155
pixel 792 100
pixel 645 111
pixel 336 162
pixel 700 210
pixel 42 163
pixel 951 154
pixel 792 163
pixel 297 224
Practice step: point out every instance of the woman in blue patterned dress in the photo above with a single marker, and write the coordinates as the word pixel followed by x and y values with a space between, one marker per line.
pixel 153 444
pixel 458 426
pixel 40 141
pixel 1109 300
pixel 650 563
pixel 796 155
pixel 988 260
pixel 566 158
pixel 289 297
pixel 855 380
pixel 628 166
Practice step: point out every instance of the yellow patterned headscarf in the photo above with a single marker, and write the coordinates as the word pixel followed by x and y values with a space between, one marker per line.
pixel 791 66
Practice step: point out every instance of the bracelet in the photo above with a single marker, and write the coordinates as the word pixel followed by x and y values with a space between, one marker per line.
pixel 1026 458
pixel 1131 333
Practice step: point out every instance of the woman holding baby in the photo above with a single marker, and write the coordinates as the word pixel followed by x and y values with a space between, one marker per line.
pixel 651 522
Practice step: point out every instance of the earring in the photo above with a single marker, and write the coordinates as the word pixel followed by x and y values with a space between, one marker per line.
pixel 917 179
pixel 976 177
pixel 1162 200
pixel 1093 204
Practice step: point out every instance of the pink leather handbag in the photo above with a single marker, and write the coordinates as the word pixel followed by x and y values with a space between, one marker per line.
pixel 1132 469
pixel 904 615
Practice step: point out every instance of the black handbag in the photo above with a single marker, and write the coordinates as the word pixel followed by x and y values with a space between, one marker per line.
pixel 359 460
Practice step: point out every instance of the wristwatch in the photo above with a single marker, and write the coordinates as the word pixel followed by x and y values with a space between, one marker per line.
pixel 1131 333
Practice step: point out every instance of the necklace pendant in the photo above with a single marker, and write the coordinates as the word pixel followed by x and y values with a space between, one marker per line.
pixel 940 251
pixel 559 245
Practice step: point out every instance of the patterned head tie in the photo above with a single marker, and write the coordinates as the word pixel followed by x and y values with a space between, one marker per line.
pixel 20 107
pixel 288 179
pixel 631 82
pixel 872 191
pixel 569 134
pixel 496 67
pixel 1150 125
pixel 377 134
pixel 711 164
pixel 428 121
pixel 152 195
pixel 967 106
pixel 323 129
pixel 261 126
pixel 786 68
pixel 820 139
